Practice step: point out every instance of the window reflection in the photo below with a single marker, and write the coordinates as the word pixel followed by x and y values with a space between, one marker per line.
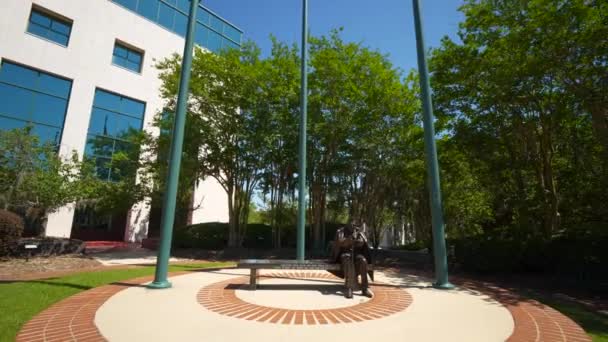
pixel 49 26
pixel 148 8
pixel 49 110
pixel 127 57
pixel 35 98
pixel 112 134
pixel 173 15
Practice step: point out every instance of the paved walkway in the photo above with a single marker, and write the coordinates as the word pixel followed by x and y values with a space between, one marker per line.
pixel 297 306
pixel 130 256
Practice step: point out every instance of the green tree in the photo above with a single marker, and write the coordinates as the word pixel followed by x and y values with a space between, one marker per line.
pixel 362 114
pixel 230 132
pixel 34 179
pixel 524 96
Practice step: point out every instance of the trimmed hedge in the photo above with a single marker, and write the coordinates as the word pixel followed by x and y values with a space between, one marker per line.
pixel 413 246
pixel 11 229
pixel 576 256
pixel 214 236
pixel 258 236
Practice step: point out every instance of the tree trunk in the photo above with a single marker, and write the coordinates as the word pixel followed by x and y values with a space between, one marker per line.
pixel 599 119
pixel 317 214
pixel 233 219
pixel 547 178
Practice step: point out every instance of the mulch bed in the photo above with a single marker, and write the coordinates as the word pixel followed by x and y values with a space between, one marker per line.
pixel 34 268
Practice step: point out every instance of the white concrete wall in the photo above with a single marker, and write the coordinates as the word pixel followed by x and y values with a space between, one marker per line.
pixel 87 61
pixel 210 202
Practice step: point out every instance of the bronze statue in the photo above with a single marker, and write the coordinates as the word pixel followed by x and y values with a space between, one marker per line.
pixel 350 248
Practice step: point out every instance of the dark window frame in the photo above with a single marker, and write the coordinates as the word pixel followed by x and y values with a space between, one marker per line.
pixel 53 18
pixel 205 19
pixel 36 91
pixel 115 140
pixel 130 50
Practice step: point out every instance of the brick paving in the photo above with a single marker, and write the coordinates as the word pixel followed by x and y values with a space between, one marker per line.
pixel 73 319
pixel 221 298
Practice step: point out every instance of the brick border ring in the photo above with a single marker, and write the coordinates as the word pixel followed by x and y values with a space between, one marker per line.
pixel 73 319
pixel 221 298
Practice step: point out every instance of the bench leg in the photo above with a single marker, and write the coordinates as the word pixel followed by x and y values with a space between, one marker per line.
pixel 253 278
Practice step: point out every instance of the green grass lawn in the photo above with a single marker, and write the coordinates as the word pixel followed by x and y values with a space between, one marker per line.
pixel 20 301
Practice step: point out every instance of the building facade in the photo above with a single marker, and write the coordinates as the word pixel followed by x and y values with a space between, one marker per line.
pixel 79 71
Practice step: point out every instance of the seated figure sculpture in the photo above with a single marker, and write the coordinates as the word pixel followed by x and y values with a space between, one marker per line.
pixel 351 250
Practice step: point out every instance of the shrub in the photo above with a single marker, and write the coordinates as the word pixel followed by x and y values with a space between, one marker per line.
pixel 412 246
pixel 489 254
pixel 579 255
pixel 11 228
pixel 213 235
pixel 258 236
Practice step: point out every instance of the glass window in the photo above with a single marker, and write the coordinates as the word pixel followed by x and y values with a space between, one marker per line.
pixel 181 24
pixel 133 108
pixel 16 74
pixel 217 24
pixel 232 33
pixel 130 4
pixel 106 100
pixel 166 16
pixel 228 44
pixel 54 86
pixel 114 119
pixel 99 121
pixel 8 124
pixel 41 19
pixel 15 102
pixel 127 57
pixel 148 8
pixel 203 16
pixel 99 146
pixel 201 35
pixel 48 26
pixel 32 97
pixel 61 28
pixel 124 126
pixel 184 5
pixel 47 135
pixel 215 42
pixel 173 15
pixel 49 110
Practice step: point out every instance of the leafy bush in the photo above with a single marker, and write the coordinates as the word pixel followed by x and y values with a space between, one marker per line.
pixel 414 246
pixel 489 254
pixel 11 228
pixel 258 236
pixel 213 235
pixel 578 255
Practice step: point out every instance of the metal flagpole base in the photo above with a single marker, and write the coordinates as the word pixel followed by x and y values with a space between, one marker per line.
pixel 159 285
pixel 444 286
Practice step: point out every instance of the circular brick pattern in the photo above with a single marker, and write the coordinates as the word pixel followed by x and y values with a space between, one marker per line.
pixel 221 298
pixel 73 319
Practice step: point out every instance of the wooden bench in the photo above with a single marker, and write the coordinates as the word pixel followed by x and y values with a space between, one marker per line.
pixel 258 264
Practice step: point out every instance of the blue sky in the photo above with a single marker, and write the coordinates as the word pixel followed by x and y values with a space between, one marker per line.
pixel 385 25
